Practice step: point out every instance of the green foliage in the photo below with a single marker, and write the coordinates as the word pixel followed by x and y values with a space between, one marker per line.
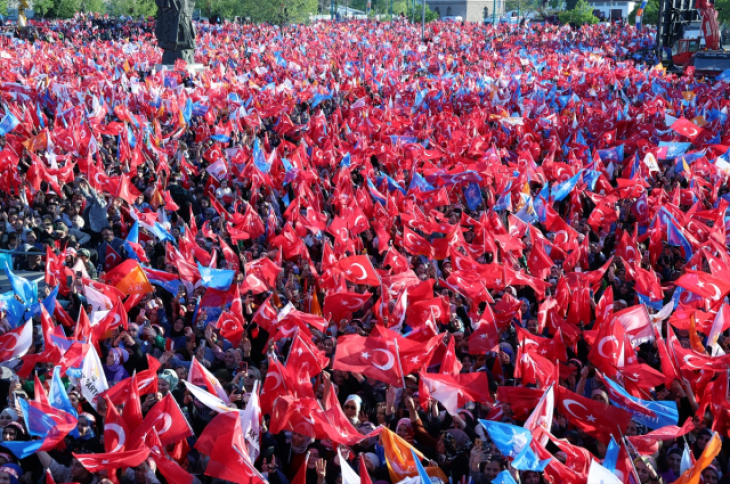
pixel 3 7
pixel 570 4
pixel 416 14
pixel 651 13
pixel 580 15
pixel 42 7
pixel 554 4
pixel 133 8
pixel 723 8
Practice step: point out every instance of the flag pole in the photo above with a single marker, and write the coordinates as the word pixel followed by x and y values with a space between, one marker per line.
pixel 400 367
pixel 623 442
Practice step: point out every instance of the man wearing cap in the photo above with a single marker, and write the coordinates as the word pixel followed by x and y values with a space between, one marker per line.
pixel 85 256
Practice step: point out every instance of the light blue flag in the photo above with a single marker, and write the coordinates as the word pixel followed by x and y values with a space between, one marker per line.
pixel 504 477
pixel 258 157
pixel 563 189
pixel 8 123
pixel 220 279
pixel 24 288
pixel 609 462
pixel 161 233
pixel 473 196
pixel 425 479
pixel 514 442
pixel 420 183
pixel 665 411
pixel 13 308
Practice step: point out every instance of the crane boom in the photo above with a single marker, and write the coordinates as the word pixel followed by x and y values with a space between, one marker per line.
pixel 710 29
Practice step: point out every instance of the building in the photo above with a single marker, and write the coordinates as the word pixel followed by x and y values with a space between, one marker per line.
pixel 612 9
pixel 468 10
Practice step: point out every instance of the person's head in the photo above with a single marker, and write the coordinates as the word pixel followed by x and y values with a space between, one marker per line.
pixel 404 430
pixel 140 472
pixel 85 424
pixel 702 439
pixel 644 468
pixel 10 473
pixel 710 475
pixel 133 330
pixel 31 238
pixel 107 234
pixel 230 358
pixel 492 467
pixel 182 373
pixel 352 406
pixel 167 382
pixel 13 431
pixel 674 460
pixel 8 415
pixel 530 477
pixel 298 440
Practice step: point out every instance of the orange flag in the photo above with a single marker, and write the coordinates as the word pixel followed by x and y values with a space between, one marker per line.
pixel 399 458
pixel 129 278
pixel 693 474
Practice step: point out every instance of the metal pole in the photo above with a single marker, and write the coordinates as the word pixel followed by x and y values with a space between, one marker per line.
pixel 332 10
pixel 494 17
pixel 413 11
pixel 423 20
pixel 391 9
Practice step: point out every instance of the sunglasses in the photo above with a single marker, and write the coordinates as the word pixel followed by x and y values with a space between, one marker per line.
pixel 350 407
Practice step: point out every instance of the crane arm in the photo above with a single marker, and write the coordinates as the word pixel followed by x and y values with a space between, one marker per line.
pixel 710 28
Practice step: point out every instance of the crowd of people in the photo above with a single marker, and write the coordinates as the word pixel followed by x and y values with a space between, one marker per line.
pixel 339 254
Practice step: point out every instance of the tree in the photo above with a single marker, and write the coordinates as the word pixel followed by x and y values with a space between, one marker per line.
pixel 650 16
pixel 570 4
pixel 723 8
pixel 132 8
pixel 42 7
pixel 580 15
pixel 3 7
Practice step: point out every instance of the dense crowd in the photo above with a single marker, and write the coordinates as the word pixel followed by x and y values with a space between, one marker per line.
pixel 339 254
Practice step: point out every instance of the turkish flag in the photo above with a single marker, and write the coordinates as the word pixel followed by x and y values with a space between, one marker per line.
pixel 301 415
pixel 636 323
pixel 539 262
pixel 551 348
pixel 201 377
pixel 647 284
pixel 167 419
pixel 146 383
pixel 358 269
pixel 485 338
pixel 373 357
pixel 454 391
pixel 704 285
pixel 607 347
pixel 648 444
pixel 111 258
pixel 265 315
pixel 231 328
pixel 687 128
pixel 640 376
pixel 533 368
pixel 115 429
pixel 340 304
pixel 101 462
pixel 592 417
pixel 171 470
pixel 692 360
pixel 229 459
pixel 305 356
pixel 278 382
pixel 415 244
pixel 231 258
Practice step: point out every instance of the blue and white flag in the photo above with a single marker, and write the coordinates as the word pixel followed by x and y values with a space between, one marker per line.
pixel 220 279
pixel 514 442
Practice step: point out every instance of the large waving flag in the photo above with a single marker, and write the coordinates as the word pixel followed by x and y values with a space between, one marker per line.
pixel 25 289
pixel 401 457
pixel 45 422
pixel 694 473
pixel 220 279
pixel 515 442
pixel 129 278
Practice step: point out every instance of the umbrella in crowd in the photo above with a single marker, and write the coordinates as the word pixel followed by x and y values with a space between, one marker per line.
pixel 340 254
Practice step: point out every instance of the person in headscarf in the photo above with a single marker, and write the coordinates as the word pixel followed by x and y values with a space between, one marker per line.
pixel 8 415
pixel 673 464
pixel 292 452
pixel 114 366
pixel 14 431
pixel 453 453
pixel 702 439
pixel 87 440
pixel 169 382
pixel 352 408
pixel 10 473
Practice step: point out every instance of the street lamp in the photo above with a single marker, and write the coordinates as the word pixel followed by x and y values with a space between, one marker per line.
pixel 423 21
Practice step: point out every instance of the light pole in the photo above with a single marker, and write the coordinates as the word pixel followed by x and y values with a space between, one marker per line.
pixel 494 17
pixel 332 10
pixel 391 9
pixel 423 21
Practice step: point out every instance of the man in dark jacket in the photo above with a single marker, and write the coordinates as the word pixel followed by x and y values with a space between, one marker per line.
pixel 115 243
pixel 184 200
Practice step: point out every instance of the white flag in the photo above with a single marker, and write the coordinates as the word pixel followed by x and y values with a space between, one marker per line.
pixel 92 381
pixel 208 399
pixel 251 422
pixel 600 475
pixel 349 476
